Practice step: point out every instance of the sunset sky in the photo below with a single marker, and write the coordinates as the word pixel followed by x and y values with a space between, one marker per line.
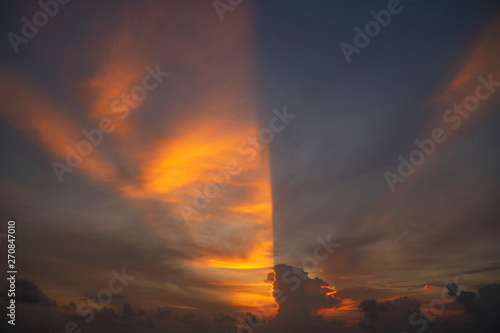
pixel 233 159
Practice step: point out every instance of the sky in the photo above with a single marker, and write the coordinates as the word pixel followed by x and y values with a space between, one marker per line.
pixel 251 166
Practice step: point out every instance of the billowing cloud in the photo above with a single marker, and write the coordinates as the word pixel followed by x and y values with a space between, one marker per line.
pixel 299 299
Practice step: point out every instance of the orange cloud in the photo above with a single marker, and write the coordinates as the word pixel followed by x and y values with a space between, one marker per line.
pixel 213 110
pixel 33 112
pixel 482 60
pixel 428 288
pixel 210 109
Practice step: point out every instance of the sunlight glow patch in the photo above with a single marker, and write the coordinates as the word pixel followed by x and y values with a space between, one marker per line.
pixel 261 257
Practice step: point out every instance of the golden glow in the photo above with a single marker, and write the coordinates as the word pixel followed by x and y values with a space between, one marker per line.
pixel 200 118
pixel 234 231
pixel 261 257
pixel 428 288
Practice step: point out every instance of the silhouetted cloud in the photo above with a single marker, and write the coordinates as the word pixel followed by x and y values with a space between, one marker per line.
pixel 483 310
pixel 389 316
pixel 28 292
pixel 222 318
pixel 299 298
